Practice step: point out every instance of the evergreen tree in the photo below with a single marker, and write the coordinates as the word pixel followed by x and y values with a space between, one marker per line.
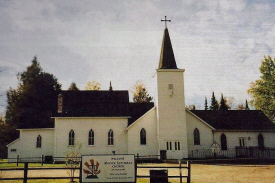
pixel 263 89
pixel 214 103
pixel 32 103
pixel 73 87
pixel 140 93
pixel 205 104
pixel 246 105
pixel 223 105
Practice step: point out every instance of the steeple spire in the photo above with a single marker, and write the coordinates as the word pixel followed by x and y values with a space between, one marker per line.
pixel 167 58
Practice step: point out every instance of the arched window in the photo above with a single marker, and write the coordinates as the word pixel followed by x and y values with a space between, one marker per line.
pixel 71 138
pixel 142 137
pixel 223 142
pixel 38 141
pixel 91 139
pixel 197 137
pixel 110 137
pixel 261 141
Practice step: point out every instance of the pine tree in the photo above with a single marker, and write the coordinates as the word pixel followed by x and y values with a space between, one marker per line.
pixel 140 93
pixel 205 104
pixel 73 87
pixel 214 103
pixel 223 105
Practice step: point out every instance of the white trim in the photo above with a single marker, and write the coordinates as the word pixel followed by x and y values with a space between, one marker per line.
pixel 170 70
pixel 201 120
pixel 139 119
pixel 13 142
pixel 29 129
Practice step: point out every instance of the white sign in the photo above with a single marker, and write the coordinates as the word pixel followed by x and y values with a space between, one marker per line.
pixel 108 168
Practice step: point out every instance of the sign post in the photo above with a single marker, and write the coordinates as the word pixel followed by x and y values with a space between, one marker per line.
pixel 108 168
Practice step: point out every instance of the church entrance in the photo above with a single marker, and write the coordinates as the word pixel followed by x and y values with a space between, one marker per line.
pixel 173 149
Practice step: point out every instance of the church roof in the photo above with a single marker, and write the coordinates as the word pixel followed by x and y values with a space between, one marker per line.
pixel 101 104
pixel 236 119
pixel 167 58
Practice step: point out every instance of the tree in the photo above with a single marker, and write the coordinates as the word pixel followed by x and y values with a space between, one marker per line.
pixel 32 103
pixel 263 90
pixel 93 85
pixel 140 93
pixel 205 104
pixel 73 87
pixel 240 107
pixel 223 106
pixel 214 103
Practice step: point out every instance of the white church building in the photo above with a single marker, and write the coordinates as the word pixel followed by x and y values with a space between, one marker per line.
pixel 105 122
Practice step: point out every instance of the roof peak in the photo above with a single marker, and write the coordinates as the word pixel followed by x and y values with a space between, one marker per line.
pixel 167 58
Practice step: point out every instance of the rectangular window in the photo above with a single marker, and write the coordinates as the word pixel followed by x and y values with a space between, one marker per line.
pixel 242 142
pixel 168 146
pixel 13 150
pixel 177 146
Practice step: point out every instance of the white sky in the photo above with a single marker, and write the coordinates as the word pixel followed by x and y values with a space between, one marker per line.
pixel 220 44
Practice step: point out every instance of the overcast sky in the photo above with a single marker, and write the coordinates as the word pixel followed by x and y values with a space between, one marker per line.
pixel 220 44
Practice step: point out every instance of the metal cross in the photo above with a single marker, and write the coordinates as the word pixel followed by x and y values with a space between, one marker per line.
pixel 165 21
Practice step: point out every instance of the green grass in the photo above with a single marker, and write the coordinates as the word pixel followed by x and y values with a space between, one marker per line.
pixel 4 164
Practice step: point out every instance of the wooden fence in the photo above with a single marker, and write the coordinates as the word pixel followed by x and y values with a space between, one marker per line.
pixel 26 170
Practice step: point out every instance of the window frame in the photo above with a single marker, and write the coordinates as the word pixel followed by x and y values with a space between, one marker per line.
pixel 261 142
pixel 39 141
pixel 110 137
pixel 197 139
pixel 223 142
pixel 143 137
pixel 91 138
pixel 71 138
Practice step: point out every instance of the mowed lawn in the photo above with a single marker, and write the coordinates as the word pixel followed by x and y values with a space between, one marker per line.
pixel 199 173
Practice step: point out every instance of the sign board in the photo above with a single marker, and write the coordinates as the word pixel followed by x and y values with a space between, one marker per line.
pixel 108 168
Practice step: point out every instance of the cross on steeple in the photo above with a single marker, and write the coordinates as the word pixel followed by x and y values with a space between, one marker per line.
pixel 165 22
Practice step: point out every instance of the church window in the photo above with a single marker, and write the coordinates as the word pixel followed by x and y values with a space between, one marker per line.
pixel 168 146
pixel 91 139
pixel 177 146
pixel 197 137
pixel 223 142
pixel 38 141
pixel 71 138
pixel 13 150
pixel 110 137
pixel 142 136
pixel 261 141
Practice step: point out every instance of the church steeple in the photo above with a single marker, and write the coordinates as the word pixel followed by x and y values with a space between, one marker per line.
pixel 167 58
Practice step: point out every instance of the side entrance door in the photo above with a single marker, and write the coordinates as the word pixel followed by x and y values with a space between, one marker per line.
pixel 173 149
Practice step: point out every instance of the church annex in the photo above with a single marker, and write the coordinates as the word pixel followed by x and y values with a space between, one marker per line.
pixel 105 122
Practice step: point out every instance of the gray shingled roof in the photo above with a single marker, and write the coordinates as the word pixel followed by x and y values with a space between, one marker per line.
pixel 236 119
pixel 167 58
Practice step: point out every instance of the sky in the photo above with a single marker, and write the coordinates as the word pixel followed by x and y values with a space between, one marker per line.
pixel 220 43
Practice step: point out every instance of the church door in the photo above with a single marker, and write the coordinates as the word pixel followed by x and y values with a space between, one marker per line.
pixel 174 149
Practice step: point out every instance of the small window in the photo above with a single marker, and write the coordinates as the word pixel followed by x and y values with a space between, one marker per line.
pixel 170 86
pixel 38 141
pixel 168 146
pixel 197 137
pixel 242 141
pixel 142 136
pixel 91 139
pixel 110 137
pixel 71 138
pixel 177 146
pixel 13 150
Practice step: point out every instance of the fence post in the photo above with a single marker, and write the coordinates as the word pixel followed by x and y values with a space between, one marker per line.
pixel 17 160
pixel 42 157
pixel 189 172
pixel 25 173
pixel 180 171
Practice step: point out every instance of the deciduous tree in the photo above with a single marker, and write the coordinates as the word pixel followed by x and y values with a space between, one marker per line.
pixel 93 85
pixel 140 93
pixel 262 90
